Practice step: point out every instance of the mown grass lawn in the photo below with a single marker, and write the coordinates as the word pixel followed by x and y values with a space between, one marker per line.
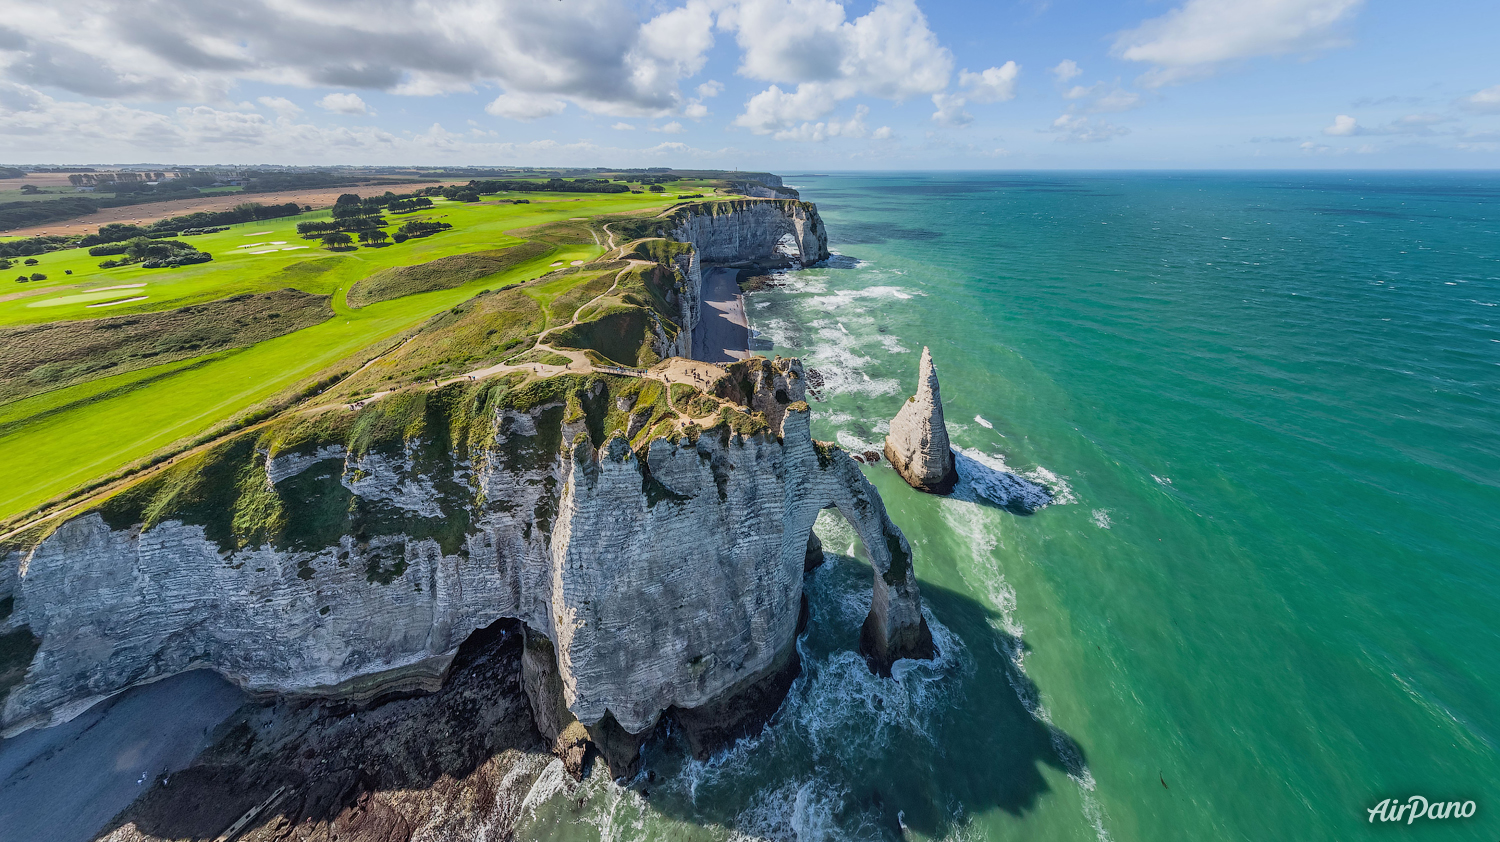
pixel 63 439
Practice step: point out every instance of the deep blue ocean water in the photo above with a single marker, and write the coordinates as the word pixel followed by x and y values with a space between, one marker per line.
pixel 1266 595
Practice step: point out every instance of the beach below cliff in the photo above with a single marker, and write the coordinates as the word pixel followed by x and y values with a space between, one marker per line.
pixel 458 763
pixel 65 783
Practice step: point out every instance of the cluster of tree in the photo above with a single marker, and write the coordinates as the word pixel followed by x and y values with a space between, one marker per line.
pixel 193 232
pixel 351 224
pixel 649 179
pixel 151 254
pixel 35 276
pixel 551 185
pixel 272 181
pixel 109 178
pixel 420 228
pixel 27 214
pixel 32 245
pixel 114 232
pixel 313 230
pixel 247 212
pixel 12 172
pixel 409 205
pixel 185 259
pixel 352 211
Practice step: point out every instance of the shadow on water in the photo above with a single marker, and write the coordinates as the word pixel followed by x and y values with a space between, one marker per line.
pixel 848 752
pixel 993 485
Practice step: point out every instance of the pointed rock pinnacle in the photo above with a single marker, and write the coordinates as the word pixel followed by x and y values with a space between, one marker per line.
pixel 918 442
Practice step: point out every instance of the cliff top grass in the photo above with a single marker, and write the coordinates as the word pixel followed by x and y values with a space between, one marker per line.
pixel 100 421
pixel 42 358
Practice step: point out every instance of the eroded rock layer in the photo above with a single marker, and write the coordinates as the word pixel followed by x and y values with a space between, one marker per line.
pixel 918 442
pixel 665 571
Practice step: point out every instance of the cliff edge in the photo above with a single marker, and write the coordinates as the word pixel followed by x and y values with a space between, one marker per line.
pixel 652 540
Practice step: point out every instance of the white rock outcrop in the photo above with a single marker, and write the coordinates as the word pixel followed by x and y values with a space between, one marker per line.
pixel 743 232
pixel 664 578
pixel 918 442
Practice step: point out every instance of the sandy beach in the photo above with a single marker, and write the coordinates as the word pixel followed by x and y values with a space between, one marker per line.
pixel 722 334
pixel 62 784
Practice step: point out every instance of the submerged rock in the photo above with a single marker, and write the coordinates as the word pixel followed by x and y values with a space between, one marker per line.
pixel 918 442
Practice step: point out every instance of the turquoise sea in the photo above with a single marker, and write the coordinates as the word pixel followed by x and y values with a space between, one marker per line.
pixel 1267 595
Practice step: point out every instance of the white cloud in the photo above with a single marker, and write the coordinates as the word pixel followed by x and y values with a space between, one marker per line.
pixel 695 111
pixel 1073 128
pixel 1066 69
pixel 774 109
pixel 673 127
pixel 1195 38
pixel 525 107
pixel 1486 100
pixel 281 105
pixel 1104 98
pixel 710 89
pixel 1343 126
pixel 823 130
pixel 889 53
pixel 623 127
pixel 950 110
pixel 996 84
pixel 35 126
pixel 1420 125
pixel 598 54
pixel 343 104
pixel 883 133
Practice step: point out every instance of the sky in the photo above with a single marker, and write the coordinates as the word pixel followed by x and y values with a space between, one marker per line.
pixel 780 85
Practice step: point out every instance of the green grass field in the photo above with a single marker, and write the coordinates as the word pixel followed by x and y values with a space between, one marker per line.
pixel 59 440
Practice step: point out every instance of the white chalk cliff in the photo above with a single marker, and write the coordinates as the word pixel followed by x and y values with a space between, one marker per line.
pixel 665 574
pixel 918 442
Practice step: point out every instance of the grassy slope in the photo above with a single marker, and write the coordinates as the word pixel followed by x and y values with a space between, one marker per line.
pixel 40 358
pixel 78 443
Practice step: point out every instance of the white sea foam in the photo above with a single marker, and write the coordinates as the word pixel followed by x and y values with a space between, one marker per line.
pixel 854 444
pixel 985 475
pixel 1100 518
pixel 979 419
pixel 1162 481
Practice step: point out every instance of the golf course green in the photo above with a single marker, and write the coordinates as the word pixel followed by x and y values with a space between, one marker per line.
pixel 72 435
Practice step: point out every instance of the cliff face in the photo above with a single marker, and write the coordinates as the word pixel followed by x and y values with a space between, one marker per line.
pixel 665 574
pixel 744 232
pixel 657 568
pixel 918 442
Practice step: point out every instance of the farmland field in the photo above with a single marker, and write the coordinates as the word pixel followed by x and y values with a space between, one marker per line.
pixel 57 440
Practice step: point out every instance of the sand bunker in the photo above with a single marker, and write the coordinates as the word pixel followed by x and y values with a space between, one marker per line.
pixel 576 263
pixel 121 301
pixel 265 251
pixel 294 248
